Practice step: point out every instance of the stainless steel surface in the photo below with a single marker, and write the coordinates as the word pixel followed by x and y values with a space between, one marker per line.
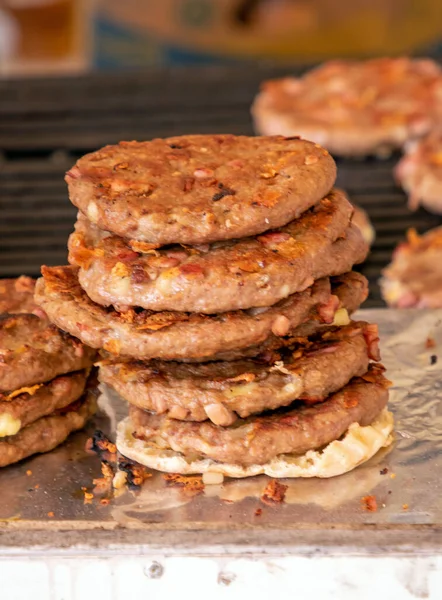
pixel 408 494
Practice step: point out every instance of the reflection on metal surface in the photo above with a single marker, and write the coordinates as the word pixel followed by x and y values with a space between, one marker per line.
pixel 403 478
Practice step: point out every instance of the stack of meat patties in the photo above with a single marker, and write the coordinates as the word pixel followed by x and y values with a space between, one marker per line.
pixel 46 383
pixel 215 274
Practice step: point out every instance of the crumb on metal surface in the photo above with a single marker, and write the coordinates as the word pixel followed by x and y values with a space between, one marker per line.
pixel 369 503
pixel 88 497
pixel 274 492
pixel 430 342
pixel 383 471
pixel 135 474
pixel 258 512
pixel 192 483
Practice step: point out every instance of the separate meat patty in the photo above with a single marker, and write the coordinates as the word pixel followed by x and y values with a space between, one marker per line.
pixel 419 172
pixel 354 107
pixel 414 277
pixel 308 369
pixel 34 351
pixel 200 188
pixel 226 276
pixel 26 405
pixel 48 432
pixel 257 440
pixel 184 336
pixel 17 295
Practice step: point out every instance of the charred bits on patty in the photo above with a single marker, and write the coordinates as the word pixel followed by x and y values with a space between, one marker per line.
pixel 224 191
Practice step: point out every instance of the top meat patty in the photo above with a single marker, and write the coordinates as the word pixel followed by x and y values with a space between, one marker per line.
pixel 17 295
pixel 200 188
pixel 238 274
pixel 353 107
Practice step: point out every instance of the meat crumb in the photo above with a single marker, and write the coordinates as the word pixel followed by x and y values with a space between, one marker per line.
pixel 274 493
pixel 135 474
pixel 430 343
pixel 384 471
pixel 433 359
pixel 258 512
pixel 101 445
pixel 88 497
pixel 104 501
pixel 404 506
pixel 393 475
pixel 188 482
pixel 50 514
pixel 28 472
pixel 369 503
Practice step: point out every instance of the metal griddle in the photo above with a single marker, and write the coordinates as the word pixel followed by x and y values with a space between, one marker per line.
pixel 321 541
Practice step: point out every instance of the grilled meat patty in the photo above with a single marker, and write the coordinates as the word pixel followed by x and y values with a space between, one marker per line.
pixel 200 188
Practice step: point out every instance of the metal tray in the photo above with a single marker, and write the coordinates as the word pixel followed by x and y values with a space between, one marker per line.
pixel 403 477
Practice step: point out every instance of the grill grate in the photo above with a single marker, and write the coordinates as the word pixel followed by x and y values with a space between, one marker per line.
pixel 45 125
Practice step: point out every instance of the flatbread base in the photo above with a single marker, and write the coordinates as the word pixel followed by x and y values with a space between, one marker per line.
pixel 357 446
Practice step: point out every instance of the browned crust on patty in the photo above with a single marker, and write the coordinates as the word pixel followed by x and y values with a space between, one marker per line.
pixel 17 295
pixel 199 188
pixel 184 336
pixel 44 400
pixel 354 107
pixel 48 432
pixel 257 440
pixel 308 369
pixel 34 351
pixel 228 276
pixel 419 172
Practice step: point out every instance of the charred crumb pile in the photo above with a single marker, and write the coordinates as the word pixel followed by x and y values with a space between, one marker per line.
pixel 214 274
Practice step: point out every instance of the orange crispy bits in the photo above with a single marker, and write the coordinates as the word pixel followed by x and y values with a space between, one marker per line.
pixel 24 390
pixel 274 493
pixel 120 270
pixel 369 503
pixel 143 247
pixel 247 377
pixel 193 483
pixel 430 343
pixel 112 346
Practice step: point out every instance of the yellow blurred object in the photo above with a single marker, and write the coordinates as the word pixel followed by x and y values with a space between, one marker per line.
pixel 51 35
pixel 46 28
pixel 280 29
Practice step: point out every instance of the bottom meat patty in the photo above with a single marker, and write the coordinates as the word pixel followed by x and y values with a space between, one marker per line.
pixel 26 405
pixel 300 442
pixel 48 432
pixel 308 369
